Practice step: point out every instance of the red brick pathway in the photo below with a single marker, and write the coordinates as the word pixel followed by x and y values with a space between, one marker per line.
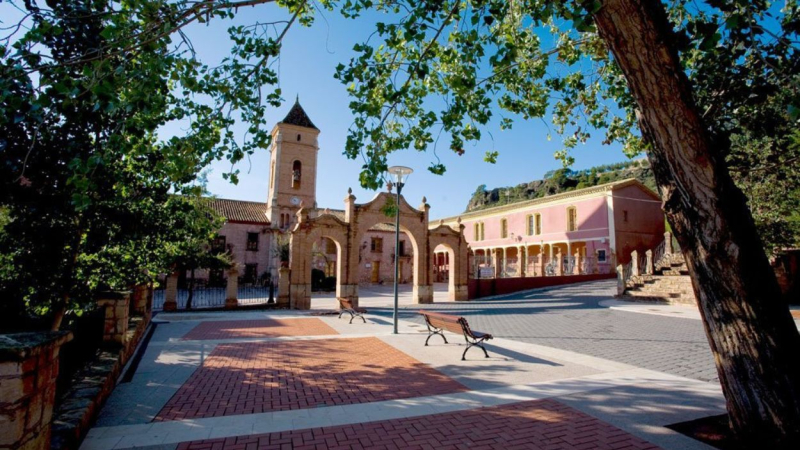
pixel 266 328
pixel 254 377
pixel 539 424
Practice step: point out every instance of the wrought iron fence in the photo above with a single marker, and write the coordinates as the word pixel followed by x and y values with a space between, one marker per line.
pixel 569 267
pixel 627 272
pixel 642 263
pixel 214 297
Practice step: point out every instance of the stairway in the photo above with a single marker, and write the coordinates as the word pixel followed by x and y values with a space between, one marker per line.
pixel 670 283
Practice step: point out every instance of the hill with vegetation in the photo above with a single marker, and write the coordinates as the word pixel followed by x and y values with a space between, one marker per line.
pixel 562 180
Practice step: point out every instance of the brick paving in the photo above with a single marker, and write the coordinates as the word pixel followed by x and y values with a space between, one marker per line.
pixel 266 328
pixel 570 318
pixel 255 377
pixel 539 424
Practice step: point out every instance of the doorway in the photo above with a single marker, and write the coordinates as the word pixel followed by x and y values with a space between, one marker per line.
pixel 376 272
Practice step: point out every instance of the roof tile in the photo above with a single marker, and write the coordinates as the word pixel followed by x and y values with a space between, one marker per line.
pixel 240 211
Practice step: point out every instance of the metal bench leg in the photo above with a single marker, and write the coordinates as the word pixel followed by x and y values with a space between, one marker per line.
pixel 469 346
pixel 464 355
pixel 433 333
pixel 357 314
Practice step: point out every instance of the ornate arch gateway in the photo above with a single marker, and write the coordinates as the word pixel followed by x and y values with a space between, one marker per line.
pixel 347 233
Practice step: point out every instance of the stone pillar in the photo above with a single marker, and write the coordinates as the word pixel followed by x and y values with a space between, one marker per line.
pixel 577 269
pixel 149 305
pixel 28 372
pixel 423 294
pixel 495 265
pixel 668 243
pixel 635 264
pixel 505 261
pixel 232 289
pixel 141 293
pixel 117 308
pixel 283 286
pixel 541 261
pixel 522 261
pixel 648 268
pixel 620 280
pixel 559 263
pixel 171 293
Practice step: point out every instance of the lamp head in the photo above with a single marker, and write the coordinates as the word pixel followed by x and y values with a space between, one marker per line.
pixel 400 173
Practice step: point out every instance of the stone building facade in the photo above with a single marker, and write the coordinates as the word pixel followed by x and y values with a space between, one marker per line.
pixel 254 231
pixel 582 231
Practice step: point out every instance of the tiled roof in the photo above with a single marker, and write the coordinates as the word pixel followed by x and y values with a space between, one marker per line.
pixel 599 189
pixel 240 211
pixel 297 116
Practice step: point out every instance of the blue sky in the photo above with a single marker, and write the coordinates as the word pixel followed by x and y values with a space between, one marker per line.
pixel 307 64
pixel 308 60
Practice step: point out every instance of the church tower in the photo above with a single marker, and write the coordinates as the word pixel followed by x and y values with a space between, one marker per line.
pixel 293 167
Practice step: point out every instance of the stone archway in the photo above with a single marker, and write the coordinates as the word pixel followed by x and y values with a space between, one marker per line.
pixel 458 253
pixel 301 240
pixel 413 222
pixel 347 233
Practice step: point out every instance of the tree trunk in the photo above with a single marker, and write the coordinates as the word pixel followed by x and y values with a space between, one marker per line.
pixel 60 310
pixel 752 335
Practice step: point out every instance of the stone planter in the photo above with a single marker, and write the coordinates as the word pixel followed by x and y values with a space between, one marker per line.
pixel 28 372
pixel 117 313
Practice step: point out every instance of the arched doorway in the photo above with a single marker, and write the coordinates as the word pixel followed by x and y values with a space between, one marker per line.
pixel 324 267
pixel 305 239
pixel 452 243
pixel 377 252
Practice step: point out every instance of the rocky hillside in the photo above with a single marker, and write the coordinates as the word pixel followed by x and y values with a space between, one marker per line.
pixel 562 180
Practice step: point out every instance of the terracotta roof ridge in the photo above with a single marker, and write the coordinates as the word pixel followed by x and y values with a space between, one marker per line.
pixel 533 201
pixel 234 200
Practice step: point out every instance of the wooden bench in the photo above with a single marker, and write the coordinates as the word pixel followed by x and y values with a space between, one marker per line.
pixel 346 306
pixel 438 323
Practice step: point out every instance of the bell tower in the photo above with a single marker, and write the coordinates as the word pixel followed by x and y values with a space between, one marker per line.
pixel 293 167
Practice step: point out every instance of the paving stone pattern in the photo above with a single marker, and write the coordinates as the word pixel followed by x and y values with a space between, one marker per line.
pixel 255 377
pixel 540 424
pixel 570 318
pixel 266 328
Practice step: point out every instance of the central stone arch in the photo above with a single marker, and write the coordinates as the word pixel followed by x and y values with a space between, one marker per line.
pixel 348 232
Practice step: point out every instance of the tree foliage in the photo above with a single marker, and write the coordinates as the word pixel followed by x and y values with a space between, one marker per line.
pixel 94 198
pixel 536 59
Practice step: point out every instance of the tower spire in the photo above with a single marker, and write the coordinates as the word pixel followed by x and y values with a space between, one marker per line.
pixel 297 116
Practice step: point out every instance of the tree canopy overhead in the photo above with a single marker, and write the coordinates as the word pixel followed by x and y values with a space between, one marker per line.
pixel 545 59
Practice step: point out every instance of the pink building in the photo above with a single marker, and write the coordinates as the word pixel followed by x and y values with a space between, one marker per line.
pixel 587 231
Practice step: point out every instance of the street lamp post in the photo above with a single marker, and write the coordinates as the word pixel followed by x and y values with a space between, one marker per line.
pixel 400 174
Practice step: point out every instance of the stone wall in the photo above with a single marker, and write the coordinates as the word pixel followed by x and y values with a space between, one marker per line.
pixel 91 386
pixel 479 288
pixel 28 373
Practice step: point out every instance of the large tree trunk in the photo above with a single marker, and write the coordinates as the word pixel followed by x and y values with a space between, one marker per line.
pixel 751 333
